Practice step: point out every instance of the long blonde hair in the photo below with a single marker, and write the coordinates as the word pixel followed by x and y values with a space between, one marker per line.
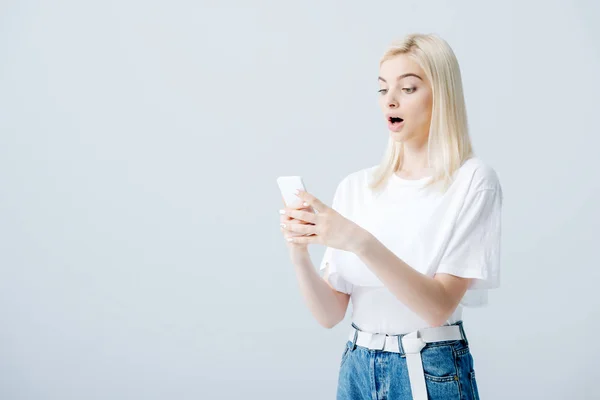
pixel 449 144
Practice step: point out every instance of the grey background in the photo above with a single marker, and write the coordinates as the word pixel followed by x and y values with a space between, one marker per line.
pixel 140 251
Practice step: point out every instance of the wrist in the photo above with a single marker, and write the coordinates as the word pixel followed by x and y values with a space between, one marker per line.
pixel 298 253
pixel 364 243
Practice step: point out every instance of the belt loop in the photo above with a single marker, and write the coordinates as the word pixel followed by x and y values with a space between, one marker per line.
pixel 462 331
pixel 400 347
pixel 355 337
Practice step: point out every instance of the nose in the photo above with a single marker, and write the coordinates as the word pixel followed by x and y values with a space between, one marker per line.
pixel 392 103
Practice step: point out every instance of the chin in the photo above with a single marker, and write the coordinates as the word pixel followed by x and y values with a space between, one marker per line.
pixel 399 136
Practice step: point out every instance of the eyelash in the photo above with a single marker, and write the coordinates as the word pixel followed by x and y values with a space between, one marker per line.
pixel 412 88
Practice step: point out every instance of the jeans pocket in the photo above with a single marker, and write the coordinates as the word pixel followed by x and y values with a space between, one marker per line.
pixel 442 388
pixel 345 355
pixel 439 362
pixel 439 367
pixel 473 383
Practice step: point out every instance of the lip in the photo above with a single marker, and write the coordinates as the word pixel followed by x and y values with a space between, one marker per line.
pixel 395 127
pixel 388 116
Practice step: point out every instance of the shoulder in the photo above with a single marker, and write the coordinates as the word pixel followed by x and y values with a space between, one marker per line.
pixel 351 188
pixel 478 175
pixel 356 179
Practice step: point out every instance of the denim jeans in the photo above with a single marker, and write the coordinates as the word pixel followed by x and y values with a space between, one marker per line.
pixel 381 375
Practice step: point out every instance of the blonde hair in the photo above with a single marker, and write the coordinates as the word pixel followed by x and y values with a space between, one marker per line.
pixel 449 144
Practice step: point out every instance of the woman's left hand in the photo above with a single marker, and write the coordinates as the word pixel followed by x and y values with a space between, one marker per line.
pixel 327 227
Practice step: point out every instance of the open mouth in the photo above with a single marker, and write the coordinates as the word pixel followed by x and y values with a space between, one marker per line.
pixel 395 123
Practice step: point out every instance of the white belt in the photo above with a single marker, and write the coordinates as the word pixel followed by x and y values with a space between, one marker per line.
pixel 412 343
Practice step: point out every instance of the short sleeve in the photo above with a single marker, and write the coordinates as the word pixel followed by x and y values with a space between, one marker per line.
pixel 334 278
pixel 473 250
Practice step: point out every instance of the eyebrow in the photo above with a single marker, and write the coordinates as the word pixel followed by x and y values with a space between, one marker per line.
pixel 402 77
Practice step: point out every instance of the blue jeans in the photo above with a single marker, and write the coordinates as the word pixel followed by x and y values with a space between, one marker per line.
pixel 381 375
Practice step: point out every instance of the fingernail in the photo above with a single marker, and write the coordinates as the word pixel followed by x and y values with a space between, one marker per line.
pixel 281 211
pixel 290 239
pixel 282 225
pixel 305 204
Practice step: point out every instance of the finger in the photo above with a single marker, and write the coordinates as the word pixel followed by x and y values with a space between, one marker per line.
pixel 304 239
pixel 312 201
pixel 300 205
pixel 289 233
pixel 285 218
pixel 287 224
pixel 303 215
pixel 300 228
pixel 284 214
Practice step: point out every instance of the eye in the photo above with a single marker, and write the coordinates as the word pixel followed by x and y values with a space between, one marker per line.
pixel 412 89
pixel 382 90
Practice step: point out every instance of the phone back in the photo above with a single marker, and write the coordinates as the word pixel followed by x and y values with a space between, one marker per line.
pixel 288 186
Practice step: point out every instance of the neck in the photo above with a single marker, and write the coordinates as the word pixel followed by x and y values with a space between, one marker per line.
pixel 414 160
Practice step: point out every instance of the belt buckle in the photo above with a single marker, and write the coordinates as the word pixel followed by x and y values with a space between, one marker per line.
pixel 377 341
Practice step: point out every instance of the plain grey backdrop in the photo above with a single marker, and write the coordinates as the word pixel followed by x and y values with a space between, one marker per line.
pixel 140 250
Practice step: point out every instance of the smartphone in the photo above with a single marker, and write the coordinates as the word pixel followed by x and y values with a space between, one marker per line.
pixel 287 187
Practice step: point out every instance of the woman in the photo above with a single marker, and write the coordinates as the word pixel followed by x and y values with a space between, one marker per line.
pixel 411 240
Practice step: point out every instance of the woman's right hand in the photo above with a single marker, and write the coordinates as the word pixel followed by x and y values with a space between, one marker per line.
pixel 287 220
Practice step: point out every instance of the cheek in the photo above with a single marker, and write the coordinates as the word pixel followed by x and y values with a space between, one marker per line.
pixel 427 101
pixel 423 107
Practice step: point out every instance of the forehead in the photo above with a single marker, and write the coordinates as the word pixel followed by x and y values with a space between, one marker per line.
pixel 398 65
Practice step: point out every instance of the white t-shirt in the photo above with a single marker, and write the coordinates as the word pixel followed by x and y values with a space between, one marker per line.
pixel 456 232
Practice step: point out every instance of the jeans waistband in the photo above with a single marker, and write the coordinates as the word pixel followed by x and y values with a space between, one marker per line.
pixel 401 335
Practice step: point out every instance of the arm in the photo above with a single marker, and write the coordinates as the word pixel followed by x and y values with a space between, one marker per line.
pixel 433 299
pixel 473 251
pixel 326 304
